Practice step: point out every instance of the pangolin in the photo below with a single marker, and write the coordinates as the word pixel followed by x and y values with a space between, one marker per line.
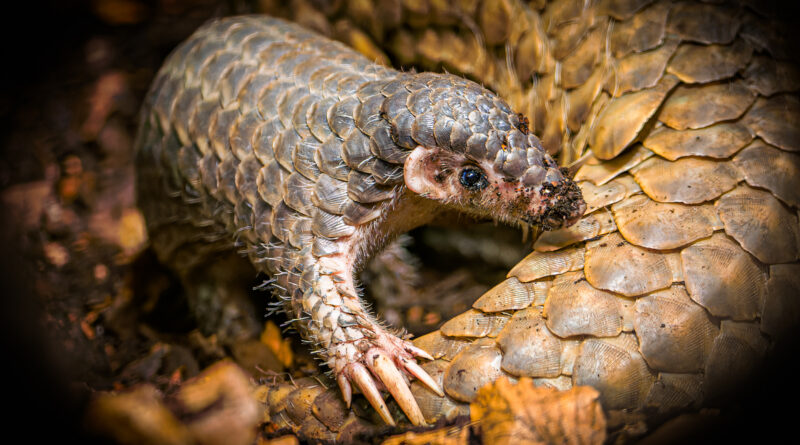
pixel 262 136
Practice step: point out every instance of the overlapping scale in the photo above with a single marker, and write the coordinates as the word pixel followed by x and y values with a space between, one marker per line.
pixel 769 76
pixel 590 226
pixel 775 170
pixel 688 180
pixel 703 23
pixel 578 66
pixel 723 278
pixel 674 392
pixel 574 307
pixel 616 369
pixel 762 224
pixel 662 226
pixel 675 334
pixel 433 406
pixel 698 106
pixel 643 31
pixel 781 312
pixel 580 100
pixel 707 63
pixel 508 295
pixel 474 323
pixel 530 349
pixel 622 119
pixel 601 172
pixel 614 264
pixel 538 265
pixel 640 70
pixel 473 367
pixel 777 120
pixel 734 357
pixel 440 346
pixel 716 141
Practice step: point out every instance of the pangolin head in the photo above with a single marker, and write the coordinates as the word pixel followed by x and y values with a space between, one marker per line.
pixel 476 155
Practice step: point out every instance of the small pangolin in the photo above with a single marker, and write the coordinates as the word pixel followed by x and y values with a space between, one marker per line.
pixel 260 135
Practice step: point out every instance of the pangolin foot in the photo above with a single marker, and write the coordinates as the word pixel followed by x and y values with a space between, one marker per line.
pixel 382 361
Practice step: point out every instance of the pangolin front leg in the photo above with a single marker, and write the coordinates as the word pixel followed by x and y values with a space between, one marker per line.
pixel 310 159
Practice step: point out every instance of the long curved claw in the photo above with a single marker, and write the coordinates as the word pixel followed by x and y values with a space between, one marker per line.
pixel 419 352
pixel 365 383
pixel 392 378
pixel 347 390
pixel 417 371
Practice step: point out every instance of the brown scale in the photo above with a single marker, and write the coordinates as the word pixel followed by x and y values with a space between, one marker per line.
pixel 719 334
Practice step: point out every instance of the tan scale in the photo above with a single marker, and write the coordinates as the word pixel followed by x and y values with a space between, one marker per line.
pixel 298 402
pixel 777 121
pixel 675 334
pixel 640 70
pixel 621 9
pixel 657 225
pixel 579 65
pixel 689 180
pixel 329 408
pixel 673 392
pixel 554 133
pixel 734 357
pixel 602 172
pixel 614 264
pixel 616 369
pixel 569 354
pixel 698 106
pixel 768 76
pixel 561 383
pixel 723 278
pixel 475 366
pixel 781 311
pixel 622 119
pixel 439 346
pixel 707 63
pixel 703 23
pixel 578 143
pixel 590 226
pixel 767 167
pixel 574 307
pixel 433 406
pixel 580 100
pixel 715 141
pixel 645 30
pixel 508 295
pixel 474 323
pixel 544 264
pixel 530 349
pixel 762 224
pixel 599 196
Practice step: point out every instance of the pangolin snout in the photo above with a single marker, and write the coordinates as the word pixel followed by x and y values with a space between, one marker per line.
pixel 566 205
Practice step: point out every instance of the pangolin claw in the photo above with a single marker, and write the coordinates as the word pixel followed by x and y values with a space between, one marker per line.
pixel 417 371
pixel 366 384
pixel 384 368
pixel 347 390
pixel 388 366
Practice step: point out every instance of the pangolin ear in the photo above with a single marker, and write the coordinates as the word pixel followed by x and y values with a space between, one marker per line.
pixel 420 171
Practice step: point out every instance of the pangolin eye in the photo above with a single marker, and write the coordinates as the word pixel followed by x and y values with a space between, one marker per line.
pixel 473 179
